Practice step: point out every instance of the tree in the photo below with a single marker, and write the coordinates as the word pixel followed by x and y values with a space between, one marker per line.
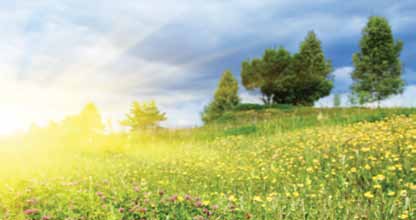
pixel 311 77
pixel 378 68
pixel 337 100
pixel 143 116
pixel 300 79
pixel 225 98
pixel 83 128
pixel 268 74
pixel 90 119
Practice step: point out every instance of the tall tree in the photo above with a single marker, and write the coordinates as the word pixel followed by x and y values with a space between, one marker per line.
pixel 225 98
pixel 378 68
pixel 268 74
pixel 143 116
pixel 311 75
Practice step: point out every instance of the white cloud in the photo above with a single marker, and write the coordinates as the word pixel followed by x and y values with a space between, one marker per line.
pixel 406 99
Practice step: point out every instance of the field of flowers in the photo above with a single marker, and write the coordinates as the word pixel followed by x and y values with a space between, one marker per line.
pixel 360 170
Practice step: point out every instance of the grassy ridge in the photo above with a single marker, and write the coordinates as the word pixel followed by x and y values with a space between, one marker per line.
pixel 301 163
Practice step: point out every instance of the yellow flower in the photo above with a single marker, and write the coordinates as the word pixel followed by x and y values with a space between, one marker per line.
pixel 405 215
pixel 180 198
pixel 353 170
pixel 369 195
pixel 391 193
pixel 232 198
pixel 379 177
pixel 295 194
pixel 257 199
pixel 206 202
pixel 377 186
pixel 365 149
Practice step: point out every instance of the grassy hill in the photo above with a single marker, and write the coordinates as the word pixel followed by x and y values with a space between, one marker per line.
pixel 252 163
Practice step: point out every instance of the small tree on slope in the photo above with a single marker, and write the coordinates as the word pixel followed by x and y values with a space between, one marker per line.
pixel 225 98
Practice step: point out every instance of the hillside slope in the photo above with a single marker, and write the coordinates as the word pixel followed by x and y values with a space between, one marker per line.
pixel 252 164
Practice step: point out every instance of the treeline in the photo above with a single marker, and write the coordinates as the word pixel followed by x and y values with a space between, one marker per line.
pixel 87 128
pixel 306 76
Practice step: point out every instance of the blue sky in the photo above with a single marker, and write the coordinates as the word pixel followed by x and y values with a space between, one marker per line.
pixel 56 55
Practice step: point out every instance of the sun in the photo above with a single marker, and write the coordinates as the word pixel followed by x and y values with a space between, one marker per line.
pixel 12 122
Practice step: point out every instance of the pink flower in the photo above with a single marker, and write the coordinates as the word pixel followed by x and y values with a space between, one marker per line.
pixel 46 217
pixel 173 198
pixel 31 211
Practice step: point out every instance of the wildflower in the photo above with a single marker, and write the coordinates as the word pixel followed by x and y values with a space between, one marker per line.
pixel 365 149
pixel 368 195
pixel 391 193
pixel 377 186
pixel 232 198
pixel 405 215
pixel 403 193
pixel 31 211
pixel 188 197
pixel 180 198
pixel 206 212
pixel 173 198
pixel 142 210
pixel 198 204
pixel 295 194
pixel 198 217
pixel 379 177
pixel 257 199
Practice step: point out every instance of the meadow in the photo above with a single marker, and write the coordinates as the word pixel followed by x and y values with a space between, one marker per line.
pixel 253 163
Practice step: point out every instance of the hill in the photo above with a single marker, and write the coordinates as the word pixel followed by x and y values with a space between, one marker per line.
pixel 252 163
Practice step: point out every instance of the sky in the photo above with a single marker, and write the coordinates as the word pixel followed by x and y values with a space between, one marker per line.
pixel 57 55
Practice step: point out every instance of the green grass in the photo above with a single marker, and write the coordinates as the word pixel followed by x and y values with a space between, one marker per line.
pixel 270 163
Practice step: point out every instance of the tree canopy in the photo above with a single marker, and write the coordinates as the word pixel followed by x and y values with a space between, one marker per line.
pixel 378 68
pixel 300 79
pixel 143 116
pixel 225 98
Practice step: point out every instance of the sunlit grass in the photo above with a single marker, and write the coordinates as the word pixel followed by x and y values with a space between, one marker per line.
pixel 328 164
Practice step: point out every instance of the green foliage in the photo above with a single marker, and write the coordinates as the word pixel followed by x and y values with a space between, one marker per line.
pixel 337 100
pixel 378 68
pixel 225 98
pixel 88 122
pixel 311 72
pixel 143 116
pixel 300 79
pixel 244 130
pixel 268 74
pixel 252 106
